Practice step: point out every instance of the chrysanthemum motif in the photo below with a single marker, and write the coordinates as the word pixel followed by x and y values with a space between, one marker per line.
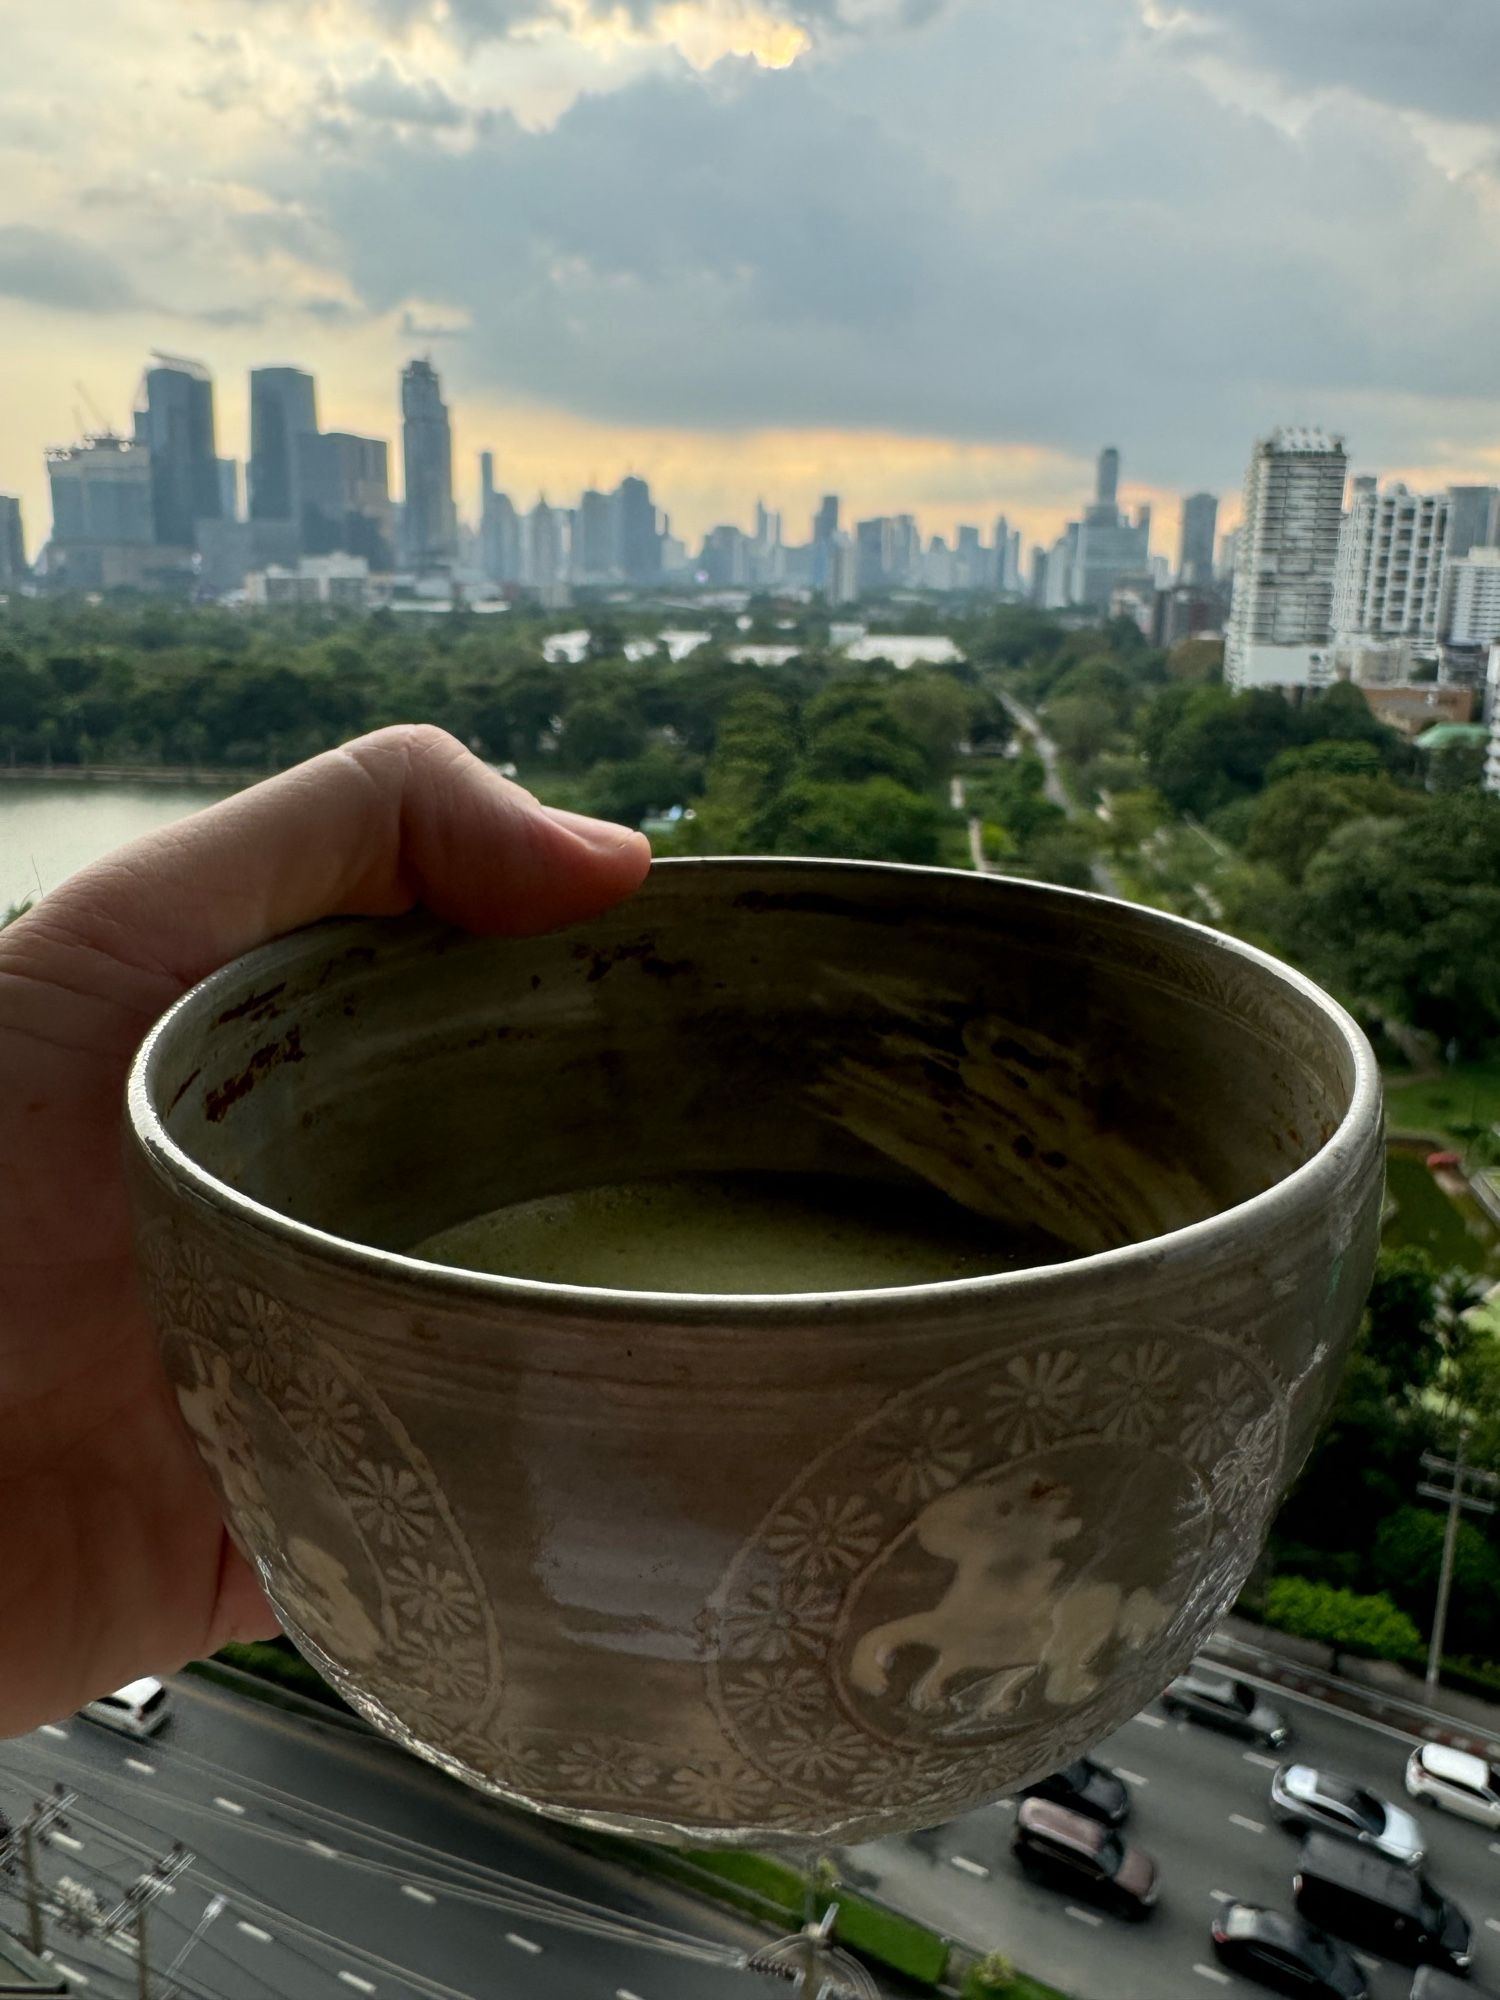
pixel 605 1770
pixel 439 1600
pixel 443 1673
pixel 774 1700
pixel 724 1791
pixel 262 1337
pixel 1244 1475
pixel 818 1756
pixel 778 1619
pixel 817 1539
pixel 321 1409
pixel 1218 1411
pixel 391 1504
pixel 1038 1402
pixel 194 1290
pixel 1132 1392
pixel 917 1462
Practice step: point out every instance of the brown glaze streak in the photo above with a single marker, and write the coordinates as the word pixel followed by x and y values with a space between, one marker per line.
pixel 256 1004
pixel 217 1103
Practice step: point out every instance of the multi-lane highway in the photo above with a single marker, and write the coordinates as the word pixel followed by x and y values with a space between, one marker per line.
pixel 347 1868
pixel 1200 1807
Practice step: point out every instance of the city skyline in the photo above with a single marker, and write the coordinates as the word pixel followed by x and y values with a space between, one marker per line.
pixel 925 256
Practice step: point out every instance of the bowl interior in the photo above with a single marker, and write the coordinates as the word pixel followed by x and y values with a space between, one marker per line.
pixel 1073 1074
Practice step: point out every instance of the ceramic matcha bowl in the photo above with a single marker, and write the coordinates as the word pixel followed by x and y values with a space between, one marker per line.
pixel 733 1566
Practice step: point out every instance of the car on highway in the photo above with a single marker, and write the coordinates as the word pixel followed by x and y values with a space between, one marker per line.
pixel 1308 1800
pixel 1225 1703
pixel 138 1709
pixel 1288 1954
pixel 1088 1788
pixel 1455 1780
pixel 1084 1858
pixel 1388 1909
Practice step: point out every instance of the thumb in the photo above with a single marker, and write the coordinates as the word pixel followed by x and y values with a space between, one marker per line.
pixel 394 819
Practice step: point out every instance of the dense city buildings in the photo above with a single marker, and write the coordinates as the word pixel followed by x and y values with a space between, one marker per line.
pixel 344 487
pixel 103 515
pixel 499 528
pixel 429 521
pixel 12 542
pixel 174 420
pixel 1281 619
pixel 1387 579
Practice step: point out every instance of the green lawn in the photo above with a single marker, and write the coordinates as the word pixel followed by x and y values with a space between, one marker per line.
pixel 1451 1103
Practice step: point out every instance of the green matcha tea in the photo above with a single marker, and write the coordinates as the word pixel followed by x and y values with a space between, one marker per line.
pixel 748 1232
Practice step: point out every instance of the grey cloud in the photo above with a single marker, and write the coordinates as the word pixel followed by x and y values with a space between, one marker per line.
pixel 1439 56
pixel 383 93
pixel 51 269
pixel 474 21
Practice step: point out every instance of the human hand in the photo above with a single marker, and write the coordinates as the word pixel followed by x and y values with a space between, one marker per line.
pixel 113 1552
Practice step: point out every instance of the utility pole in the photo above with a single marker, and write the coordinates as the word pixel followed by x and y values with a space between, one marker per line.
pixel 44 1814
pixel 132 1908
pixel 1455 1498
pixel 813 1966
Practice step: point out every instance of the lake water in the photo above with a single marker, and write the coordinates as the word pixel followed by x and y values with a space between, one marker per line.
pixel 49 827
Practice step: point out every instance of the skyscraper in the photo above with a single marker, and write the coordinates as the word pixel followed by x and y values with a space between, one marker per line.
pixel 1195 554
pixel 174 419
pixel 343 482
pixel 229 489
pixel 825 534
pixel 874 543
pixel 103 513
pixel 1388 576
pixel 499 528
pixel 283 411
pixel 430 522
pixel 596 547
pixel 1281 619
pixel 1473 519
pixel 640 540
pixel 12 543
pixel 542 547
pixel 1108 549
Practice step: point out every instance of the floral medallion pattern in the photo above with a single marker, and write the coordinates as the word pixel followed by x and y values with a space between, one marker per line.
pixel 380 1570
pixel 996 1498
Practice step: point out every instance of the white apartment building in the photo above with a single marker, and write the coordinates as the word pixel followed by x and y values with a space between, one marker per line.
pixel 1281 618
pixel 1387 583
pixel 1492 716
pixel 1471 599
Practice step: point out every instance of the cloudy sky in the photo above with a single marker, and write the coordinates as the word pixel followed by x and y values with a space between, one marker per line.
pixel 928 253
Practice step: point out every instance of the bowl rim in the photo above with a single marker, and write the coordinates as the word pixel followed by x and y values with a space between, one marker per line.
pixel 453 1285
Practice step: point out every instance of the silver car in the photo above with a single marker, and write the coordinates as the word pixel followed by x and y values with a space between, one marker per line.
pixel 138 1709
pixel 1312 1801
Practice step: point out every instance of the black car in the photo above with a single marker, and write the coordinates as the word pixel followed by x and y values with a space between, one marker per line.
pixel 1088 1788
pixel 1388 1909
pixel 1225 1703
pixel 1083 1858
pixel 1288 1954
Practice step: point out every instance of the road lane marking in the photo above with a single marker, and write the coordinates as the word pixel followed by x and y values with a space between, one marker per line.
pixel 969 1867
pixel 146 1770
pixel 1491 1925
pixel 1151 1721
pixel 328 1853
pixel 1250 1825
pixel 522 1944
pixel 66 1840
pixel 1495 1847
pixel 73 1978
pixel 353 1979
pixel 1130 1777
pixel 417 1895
pixel 1370 1964
pixel 1212 1972
pixel 1083 1916
pixel 624 1993
pixel 51 1729
pixel 229 1805
pixel 253 1930
pixel 1221 1895
pixel 1265 1763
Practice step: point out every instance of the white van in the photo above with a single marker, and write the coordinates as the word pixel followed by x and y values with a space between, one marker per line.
pixel 139 1709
